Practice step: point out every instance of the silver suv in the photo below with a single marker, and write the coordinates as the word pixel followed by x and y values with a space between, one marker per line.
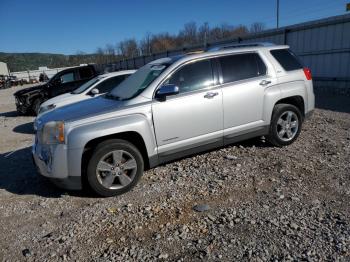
pixel 171 108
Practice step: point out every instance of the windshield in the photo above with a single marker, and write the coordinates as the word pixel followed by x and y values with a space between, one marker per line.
pixel 137 82
pixel 85 86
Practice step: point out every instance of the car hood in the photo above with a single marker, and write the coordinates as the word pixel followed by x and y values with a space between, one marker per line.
pixel 76 111
pixel 29 90
pixel 57 99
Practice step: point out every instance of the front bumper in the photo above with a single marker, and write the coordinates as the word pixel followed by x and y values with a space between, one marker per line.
pixel 22 107
pixel 51 162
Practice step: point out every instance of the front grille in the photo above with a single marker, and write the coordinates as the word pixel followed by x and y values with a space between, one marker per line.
pixel 20 100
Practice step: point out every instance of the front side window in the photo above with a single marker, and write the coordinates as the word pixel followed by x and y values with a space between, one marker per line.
pixel 242 66
pixel 192 77
pixel 68 77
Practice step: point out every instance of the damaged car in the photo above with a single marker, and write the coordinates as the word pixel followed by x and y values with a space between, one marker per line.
pixel 28 100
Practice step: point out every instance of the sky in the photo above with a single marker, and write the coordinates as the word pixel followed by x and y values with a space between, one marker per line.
pixel 68 26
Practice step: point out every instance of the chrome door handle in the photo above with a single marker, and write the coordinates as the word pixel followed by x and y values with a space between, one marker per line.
pixel 210 95
pixel 265 83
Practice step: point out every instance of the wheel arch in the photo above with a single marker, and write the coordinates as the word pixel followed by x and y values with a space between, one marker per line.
pixel 131 136
pixel 297 101
pixel 82 138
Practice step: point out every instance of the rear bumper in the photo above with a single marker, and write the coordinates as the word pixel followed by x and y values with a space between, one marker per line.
pixel 309 114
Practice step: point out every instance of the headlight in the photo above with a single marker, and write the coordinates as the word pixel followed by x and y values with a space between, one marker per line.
pixel 53 133
pixel 46 108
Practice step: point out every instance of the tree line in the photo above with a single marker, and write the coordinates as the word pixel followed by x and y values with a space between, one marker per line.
pixel 191 34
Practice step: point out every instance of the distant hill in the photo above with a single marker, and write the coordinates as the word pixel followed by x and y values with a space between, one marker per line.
pixel 31 61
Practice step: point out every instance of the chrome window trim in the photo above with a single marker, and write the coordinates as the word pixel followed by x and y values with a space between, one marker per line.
pixel 243 81
pixel 190 93
pixel 219 76
pixel 232 82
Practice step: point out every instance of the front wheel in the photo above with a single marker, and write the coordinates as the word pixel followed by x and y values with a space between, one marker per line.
pixel 115 167
pixel 285 125
pixel 36 106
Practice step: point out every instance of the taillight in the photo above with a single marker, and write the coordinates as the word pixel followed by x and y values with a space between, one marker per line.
pixel 307 73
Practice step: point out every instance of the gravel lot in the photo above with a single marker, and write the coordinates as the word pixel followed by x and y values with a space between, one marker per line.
pixel 258 203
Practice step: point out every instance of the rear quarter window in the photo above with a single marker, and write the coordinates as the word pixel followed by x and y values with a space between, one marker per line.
pixel 287 59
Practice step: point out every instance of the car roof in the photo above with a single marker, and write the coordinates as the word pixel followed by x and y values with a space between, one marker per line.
pixel 219 50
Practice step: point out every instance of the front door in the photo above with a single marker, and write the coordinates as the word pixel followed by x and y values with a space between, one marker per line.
pixel 67 82
pixel 193 118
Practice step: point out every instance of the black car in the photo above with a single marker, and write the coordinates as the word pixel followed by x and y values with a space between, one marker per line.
pixel 5 81
pixel 28 100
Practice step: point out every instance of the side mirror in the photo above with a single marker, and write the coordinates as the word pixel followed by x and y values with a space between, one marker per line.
pixel 166 90
pixel 94 92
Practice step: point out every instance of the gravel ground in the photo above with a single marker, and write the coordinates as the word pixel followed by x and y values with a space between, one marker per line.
pixel 248 201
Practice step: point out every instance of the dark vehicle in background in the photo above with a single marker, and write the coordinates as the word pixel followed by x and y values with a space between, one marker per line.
pixel 5 81
pixel 15 81
pixel 28 100
pixel 43 77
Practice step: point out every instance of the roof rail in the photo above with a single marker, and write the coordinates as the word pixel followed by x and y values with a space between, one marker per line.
pixel 240 45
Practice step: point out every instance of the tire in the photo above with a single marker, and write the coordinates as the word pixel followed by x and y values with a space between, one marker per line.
pixel 36 106
pixel 107 182
pixel 280 125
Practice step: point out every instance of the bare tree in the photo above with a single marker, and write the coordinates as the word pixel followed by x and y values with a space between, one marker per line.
pixel 109 52
pixel 128 48
pixel 188 35
pixel 227 31
pixel 257 27
pixel 240 31
pixel 146 44
pixel 215 33
pixel 163 42
pixel 203 33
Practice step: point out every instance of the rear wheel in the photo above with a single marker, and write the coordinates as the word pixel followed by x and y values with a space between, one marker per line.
pixel 114 168
pixel 285 125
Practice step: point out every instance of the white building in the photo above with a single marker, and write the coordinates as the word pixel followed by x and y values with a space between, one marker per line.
pixel 30 74
pixel 3 69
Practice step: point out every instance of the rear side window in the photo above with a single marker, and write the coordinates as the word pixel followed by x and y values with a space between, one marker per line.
pixel 110 83
pixel 85 72
pixel 239 67
pixel 286 59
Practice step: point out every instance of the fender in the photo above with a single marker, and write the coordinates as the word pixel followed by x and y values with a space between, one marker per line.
pixel 79 136
pixel 272 95
pixel 281 91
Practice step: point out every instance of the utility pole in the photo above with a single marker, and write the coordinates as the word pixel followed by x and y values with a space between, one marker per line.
pixel 277 13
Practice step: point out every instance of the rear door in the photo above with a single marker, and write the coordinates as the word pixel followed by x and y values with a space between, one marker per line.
pixel 244 78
